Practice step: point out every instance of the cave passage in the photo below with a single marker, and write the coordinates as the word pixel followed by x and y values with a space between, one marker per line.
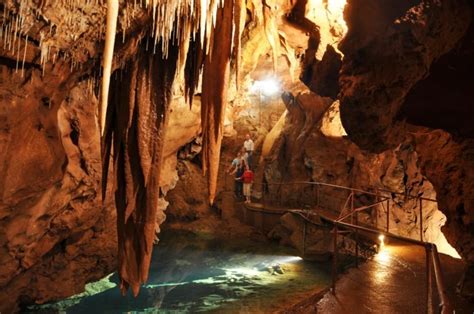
pixel 126 128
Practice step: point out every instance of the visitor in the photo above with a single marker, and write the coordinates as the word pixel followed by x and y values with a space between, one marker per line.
pixel 244 157
pixel 247 179
pixel 249 148
pixel 237 168
pixel 235 163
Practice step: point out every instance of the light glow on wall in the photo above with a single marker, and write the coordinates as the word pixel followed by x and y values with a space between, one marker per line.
pixel 267 87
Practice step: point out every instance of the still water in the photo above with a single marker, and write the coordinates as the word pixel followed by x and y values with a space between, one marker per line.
pixel 199 273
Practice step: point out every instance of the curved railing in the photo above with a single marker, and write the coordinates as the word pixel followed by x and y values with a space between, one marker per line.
pixel 349 211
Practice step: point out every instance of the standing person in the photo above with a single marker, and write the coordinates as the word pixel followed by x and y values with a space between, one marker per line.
pixel 235 163
pixel 249 148
pixel 236 168
pixel 244 157
pixel 247 179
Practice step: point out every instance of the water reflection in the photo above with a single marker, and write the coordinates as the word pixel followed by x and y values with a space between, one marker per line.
pixel 192 273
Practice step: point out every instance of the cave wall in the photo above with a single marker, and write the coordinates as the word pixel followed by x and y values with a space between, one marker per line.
pixel 321 152
pixel 56 235
pixel 387 55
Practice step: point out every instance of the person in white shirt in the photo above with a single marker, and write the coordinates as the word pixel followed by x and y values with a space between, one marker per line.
pixel 249 148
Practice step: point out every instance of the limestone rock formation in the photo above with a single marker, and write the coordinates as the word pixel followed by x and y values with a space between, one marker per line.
pixel 389 52
pixel 321 152
pixel 56 234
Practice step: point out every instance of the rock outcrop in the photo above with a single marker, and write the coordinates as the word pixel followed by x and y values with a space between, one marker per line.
pixel 397 47
pixel 56 234
pixel 321 152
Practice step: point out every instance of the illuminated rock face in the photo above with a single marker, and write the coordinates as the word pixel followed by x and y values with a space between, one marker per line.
pixel 56 235
pixel 389 50
pixel 321 152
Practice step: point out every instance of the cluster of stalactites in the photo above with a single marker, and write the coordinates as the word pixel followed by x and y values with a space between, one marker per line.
pixel 185 23
pixel 198 38
pixel 12 36
pixel 18 19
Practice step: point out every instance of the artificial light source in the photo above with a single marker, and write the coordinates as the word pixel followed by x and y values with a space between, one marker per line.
pixel 290 259
pixel 381 239
pixel 268 87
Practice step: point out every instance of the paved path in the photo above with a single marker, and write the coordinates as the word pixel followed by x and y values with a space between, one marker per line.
pixel 394 281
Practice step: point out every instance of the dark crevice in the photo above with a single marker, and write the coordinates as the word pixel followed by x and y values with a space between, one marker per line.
pixel 75 132
pixel 12 64
pixel 84 165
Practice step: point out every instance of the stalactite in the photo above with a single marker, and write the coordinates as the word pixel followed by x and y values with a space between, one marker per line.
pixel 137 115
pixel 271 30
pixel 112 13
pixel 194 62
pixel 214 90
pixel 239 24
pixel 136 124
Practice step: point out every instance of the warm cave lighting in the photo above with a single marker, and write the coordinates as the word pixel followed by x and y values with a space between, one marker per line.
pixel 267 87
pixel 381 239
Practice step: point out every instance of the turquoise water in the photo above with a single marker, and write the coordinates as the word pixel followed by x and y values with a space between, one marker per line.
pixel 198 273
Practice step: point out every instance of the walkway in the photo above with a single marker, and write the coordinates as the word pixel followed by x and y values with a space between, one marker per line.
pixel 394 281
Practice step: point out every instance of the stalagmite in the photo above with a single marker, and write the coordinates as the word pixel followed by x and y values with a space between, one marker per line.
pixel 112 13
pixel 214 90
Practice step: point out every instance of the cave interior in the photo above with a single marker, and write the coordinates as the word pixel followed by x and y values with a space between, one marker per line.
pixel 237 156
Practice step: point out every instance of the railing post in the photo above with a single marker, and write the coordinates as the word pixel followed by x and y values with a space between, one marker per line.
pixel 377 209
pixel 357 239
pixel 334 261
pixel 445 306
pixel 388 215
pixel 428 279
pixel 421 219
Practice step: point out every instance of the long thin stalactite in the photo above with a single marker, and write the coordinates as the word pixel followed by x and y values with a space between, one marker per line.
pixel 214 92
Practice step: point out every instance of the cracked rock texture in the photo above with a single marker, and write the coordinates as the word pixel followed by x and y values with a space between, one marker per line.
pixel 56 235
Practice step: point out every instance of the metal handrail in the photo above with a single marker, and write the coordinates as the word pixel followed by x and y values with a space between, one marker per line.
pixel 432 256
pixel 445 305
pixel 351 189
pixel 431 249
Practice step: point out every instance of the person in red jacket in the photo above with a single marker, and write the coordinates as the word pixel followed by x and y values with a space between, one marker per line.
pixel 247 179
